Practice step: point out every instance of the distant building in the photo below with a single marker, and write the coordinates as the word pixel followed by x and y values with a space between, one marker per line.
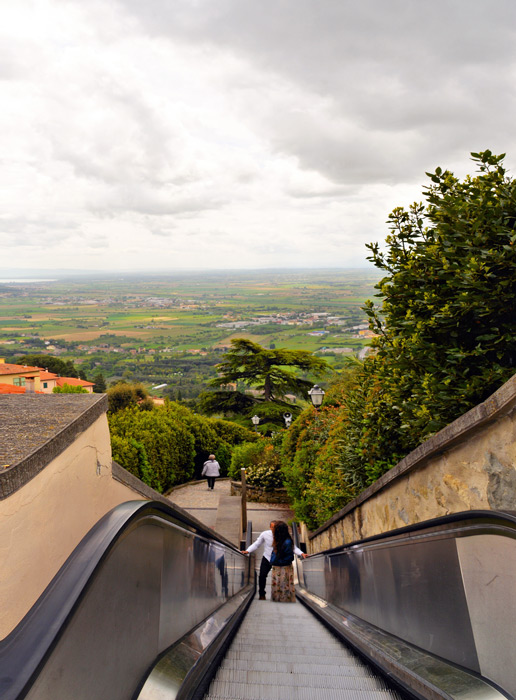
pixel 336 351
pixel 49 381
pixel 20 375
pixel 34 380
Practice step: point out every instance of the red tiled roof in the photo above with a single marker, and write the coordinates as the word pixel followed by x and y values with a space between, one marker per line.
pixel 7 368
pixel 11 389
pixel 72 381
pixel 45 374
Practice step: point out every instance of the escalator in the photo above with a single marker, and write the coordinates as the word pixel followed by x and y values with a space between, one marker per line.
pixel 153 605
pixel 281 652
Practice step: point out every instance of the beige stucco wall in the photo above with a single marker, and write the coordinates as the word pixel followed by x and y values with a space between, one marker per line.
pixel 470 465
pixel 41 523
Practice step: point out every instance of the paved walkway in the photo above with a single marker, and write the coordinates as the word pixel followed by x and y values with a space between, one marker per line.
pixel 203 503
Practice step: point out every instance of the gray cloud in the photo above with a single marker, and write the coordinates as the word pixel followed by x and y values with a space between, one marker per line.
pixel 228 133
pixel 397 75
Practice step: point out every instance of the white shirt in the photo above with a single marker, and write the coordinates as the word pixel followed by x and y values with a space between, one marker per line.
pixel 266 538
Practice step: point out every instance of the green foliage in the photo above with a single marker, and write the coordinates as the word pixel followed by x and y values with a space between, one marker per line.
pixel 69 389
pixel 232 433
pixel 262 463
pixel 302 452
pixel 206 440
pixel 223 457
pixel 448 330
pixel 243 455
pixel 168 445
pixel 269 372
pixel 124 395
pixel 99 383
pixel 64 368
pixel 446 340
pixel 132 455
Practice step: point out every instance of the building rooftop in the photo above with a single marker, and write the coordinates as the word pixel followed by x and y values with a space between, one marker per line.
pixel 8 368
pixel 35 428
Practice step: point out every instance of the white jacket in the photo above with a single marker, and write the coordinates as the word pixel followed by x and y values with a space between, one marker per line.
pixel 211 468
pixel 266 538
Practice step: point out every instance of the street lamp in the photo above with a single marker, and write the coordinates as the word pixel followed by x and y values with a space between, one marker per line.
pixel 255 419
pixel 287 417
pixel 316 395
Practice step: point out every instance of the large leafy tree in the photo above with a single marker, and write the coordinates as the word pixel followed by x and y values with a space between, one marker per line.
pixel 272 373
pixel 446 325
pixel 65 368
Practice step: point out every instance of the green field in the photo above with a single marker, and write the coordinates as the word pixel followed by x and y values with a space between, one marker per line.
pixel 143 325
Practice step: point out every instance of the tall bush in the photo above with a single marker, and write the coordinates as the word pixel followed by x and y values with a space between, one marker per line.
pixel 167 442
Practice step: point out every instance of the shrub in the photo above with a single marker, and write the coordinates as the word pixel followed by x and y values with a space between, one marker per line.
pixel 168 444
pixel 262 463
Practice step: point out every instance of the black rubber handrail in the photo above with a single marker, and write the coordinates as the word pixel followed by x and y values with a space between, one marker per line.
pixel 31 642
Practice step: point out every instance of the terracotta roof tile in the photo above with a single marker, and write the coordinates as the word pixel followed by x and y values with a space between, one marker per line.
pixel 11 389
pixel 45 374
pixel 72 381
pixel 7 368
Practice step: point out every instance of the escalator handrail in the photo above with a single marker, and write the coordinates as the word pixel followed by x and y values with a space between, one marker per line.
pixel 33 639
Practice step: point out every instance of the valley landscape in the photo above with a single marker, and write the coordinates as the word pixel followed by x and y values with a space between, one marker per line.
pixel 173 328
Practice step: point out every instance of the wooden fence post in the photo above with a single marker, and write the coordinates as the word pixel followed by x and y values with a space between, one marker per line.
pixel 244 502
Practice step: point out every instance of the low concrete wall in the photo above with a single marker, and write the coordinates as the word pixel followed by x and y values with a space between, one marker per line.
pixel 53 495
pixel 255 494
pixel 469 465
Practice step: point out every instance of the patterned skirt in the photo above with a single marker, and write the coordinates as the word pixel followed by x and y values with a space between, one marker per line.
pixel 282 585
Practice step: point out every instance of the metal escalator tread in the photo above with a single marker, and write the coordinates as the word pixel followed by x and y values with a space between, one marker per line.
pixel 281 652
pixel 290 667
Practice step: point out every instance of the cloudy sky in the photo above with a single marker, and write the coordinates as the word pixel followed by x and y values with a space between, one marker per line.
pixel 213 134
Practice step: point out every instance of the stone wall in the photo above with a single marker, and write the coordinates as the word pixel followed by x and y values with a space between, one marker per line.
pixel 255 494
pixel 469 465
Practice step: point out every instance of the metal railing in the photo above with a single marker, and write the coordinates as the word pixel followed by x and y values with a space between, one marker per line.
pixel 140 582
pixel 444 589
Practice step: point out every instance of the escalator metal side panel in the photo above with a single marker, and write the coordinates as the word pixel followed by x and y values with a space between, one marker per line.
pixel 411 669
pixel 448 591
pixel 489 575
pixel 140 581
pixel 184 671
pixel 409 589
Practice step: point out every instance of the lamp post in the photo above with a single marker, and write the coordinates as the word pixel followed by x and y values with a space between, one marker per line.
pixel 255 420
pixel 287 417
pixel 316 395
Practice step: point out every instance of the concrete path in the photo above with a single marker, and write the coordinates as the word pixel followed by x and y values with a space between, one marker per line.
pixel 217 509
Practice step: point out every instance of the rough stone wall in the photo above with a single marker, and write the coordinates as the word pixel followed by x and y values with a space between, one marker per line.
pixel 255 494
pixel 470 465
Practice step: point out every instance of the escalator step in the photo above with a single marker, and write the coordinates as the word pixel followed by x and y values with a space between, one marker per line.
pixel 261 692
pixel 271 657
pixel 306 680
pixel 350 669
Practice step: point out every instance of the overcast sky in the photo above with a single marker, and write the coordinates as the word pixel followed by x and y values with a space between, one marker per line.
pixel 213 134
